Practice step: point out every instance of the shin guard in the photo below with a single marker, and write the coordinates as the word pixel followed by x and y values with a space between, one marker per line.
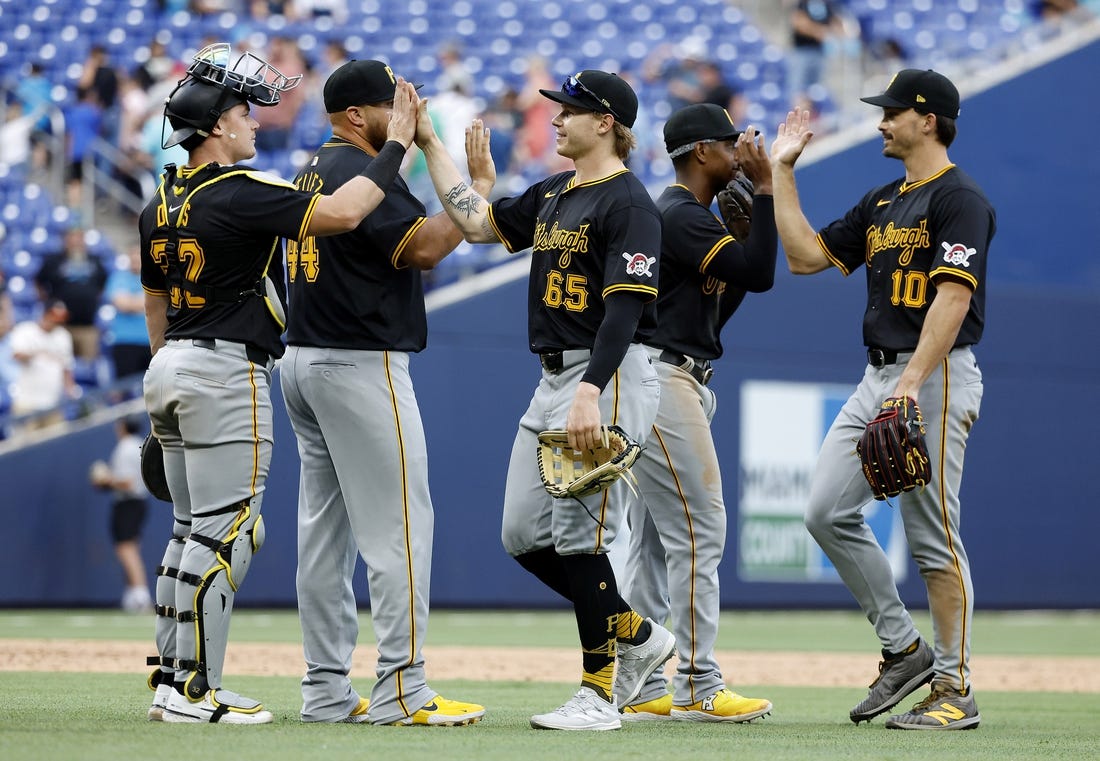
pixel 215 562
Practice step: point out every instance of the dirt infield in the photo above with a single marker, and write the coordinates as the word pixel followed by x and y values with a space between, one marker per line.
pixel 794 669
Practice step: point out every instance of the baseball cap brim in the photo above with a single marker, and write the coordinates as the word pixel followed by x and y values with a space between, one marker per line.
pixel 885 101
pixel 588 105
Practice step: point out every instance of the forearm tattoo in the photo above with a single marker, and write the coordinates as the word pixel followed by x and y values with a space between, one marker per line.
pixel 464 199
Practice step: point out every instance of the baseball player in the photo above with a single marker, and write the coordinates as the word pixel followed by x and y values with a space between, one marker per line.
pixel 594 235
pixel 678 527
pixel 214 311
pixel 356 312
pixel 924 239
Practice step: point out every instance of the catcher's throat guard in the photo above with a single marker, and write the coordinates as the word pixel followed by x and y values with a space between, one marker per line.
pixel 566 472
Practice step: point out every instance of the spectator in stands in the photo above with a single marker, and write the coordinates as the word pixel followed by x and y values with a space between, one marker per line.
pixel 535 148
pixel 43 350
pixel 813 24
pixel 1050 10
pixel 157 66
pixel 716 89
pixel 277 122
pixel 337 10
pixel 33 92
pixel 128 338
pixel 505 119
pixel 83 121
pixel 15 135
pixel 453 107
pixel 678 68
pixel 333 56
pixel 129 504
pixel 75 277
pixel 99 77
pixel 265 9
pixel 452 69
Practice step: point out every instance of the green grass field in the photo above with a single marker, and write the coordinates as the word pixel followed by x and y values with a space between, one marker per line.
pixel 51 715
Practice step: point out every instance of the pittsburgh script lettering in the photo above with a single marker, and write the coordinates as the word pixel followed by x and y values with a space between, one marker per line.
pixel 907 239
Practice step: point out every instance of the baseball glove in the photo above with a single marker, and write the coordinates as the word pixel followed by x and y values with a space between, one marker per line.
pixel 566 472
pixel 735 205
pixel 152 469
pixel 892 449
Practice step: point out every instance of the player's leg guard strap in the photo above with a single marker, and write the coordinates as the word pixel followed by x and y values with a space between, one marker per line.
pixel 165 589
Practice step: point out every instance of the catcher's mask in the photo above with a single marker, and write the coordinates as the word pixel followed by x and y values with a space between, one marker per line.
pixel 214 85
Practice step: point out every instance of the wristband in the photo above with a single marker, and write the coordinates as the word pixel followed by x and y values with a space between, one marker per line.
pixel 383 168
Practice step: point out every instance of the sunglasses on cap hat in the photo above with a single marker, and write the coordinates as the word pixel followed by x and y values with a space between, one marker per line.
pixel 574 88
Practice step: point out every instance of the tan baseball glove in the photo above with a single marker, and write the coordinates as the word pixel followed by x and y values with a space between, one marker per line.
pixel 566 472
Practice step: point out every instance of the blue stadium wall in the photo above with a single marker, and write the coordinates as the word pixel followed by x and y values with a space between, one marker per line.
pixel 1030 519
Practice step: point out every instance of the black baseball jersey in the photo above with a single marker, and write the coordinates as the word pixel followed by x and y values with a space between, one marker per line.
pixel 587 242
pixel 909 236
pixel 352 291
pixel 226 227
pixel 694 304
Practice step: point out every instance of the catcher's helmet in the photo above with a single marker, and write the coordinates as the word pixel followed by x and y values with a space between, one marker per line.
pixel 213 85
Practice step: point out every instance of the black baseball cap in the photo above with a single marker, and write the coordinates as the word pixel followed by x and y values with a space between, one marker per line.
pixel 595 90
pixel 699 121
pixel 358 83
pixel 927 91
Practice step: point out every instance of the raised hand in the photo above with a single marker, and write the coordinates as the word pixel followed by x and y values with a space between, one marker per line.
pixel 479 159
pixel 753 160
pixel 403 118
pixel 792 137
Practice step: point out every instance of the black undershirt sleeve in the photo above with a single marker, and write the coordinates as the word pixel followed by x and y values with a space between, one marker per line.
pixel 622 311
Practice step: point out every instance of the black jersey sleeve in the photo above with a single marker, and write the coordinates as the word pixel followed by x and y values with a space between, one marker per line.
pixel 844 241
pixel 965 224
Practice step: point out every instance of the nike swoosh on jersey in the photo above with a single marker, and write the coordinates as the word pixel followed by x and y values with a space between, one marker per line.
pixel 551 194
pixel 173 208
pixel 883 202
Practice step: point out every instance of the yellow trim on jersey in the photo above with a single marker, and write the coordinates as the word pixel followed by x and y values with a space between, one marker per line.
pixel 713 253
pixel 573 180
pixel 395 260
pixel 829 255
pixel 151 292
pixel 955 273
pixel 302 235
pixel 400 687
pixel 493 224
pixel 941 467
pixel 906 187
pixel 648 290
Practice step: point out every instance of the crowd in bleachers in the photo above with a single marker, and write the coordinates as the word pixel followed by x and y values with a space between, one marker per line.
pixel 73 71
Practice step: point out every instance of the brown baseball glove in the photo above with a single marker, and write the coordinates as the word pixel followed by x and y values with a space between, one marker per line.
pixel 892 449
pixel 735 205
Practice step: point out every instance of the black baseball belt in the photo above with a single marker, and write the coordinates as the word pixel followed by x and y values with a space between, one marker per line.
pixel 882 357
pixel 699 369
pixel 554 362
